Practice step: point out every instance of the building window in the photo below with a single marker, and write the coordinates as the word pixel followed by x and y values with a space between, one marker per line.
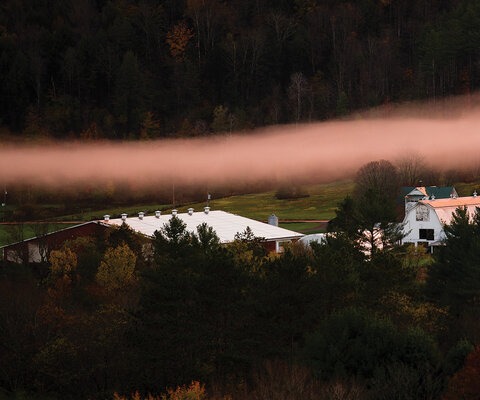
pixel 280 245
pixel 426 234
pixel 422 213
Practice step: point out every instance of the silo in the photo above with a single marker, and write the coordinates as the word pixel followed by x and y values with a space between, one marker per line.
pixel 273 220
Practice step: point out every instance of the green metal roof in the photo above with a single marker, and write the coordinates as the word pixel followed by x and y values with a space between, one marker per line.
pixel 440 192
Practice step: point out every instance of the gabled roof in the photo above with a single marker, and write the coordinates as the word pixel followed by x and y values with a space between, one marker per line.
pixel 49 234
pixel 445 208
pixel 418 191
pixel 440 192
pixel 225 225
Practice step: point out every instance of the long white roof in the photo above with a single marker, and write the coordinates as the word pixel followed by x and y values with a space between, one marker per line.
pixel 225 225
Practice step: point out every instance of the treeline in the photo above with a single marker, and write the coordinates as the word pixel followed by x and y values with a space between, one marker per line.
pixel 144 69
pixel 120 314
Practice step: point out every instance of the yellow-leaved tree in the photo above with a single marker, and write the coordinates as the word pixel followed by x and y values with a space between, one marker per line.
pixel 117 269
pixel 63 262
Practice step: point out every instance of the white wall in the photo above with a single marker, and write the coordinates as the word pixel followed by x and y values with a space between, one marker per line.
pixel 412 226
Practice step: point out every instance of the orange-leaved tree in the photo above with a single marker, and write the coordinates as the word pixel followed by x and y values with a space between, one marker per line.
pixel 465 384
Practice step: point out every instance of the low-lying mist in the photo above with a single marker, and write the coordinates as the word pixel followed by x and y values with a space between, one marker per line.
pixel 446 134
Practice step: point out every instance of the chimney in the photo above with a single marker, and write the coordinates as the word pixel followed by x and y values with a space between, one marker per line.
pixel 124 217
pixel 157 214
pixel 174 212
pixel 106 217
pixel 190 211
pixel 141 214
pixel 207 210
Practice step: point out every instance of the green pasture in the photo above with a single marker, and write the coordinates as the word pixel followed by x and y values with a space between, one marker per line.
pixel 304 227
pixel 320 205
pixel 467 189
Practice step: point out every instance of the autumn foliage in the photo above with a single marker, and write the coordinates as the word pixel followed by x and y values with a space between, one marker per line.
pixel 465 384
pixel 95 70
pixel 116 314
pixel 194 391
pixel 178 39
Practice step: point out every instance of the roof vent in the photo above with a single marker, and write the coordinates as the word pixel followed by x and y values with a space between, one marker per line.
pixel 106 217
pixel 124 216
pixel 190 211
pixel 157 214
pixel 174 212
pixel 141 214
pixel 475 193
pixel 207 210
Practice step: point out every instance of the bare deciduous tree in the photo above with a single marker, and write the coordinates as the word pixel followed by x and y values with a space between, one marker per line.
pixel 411 169
pixel 377 176
pixel 296 92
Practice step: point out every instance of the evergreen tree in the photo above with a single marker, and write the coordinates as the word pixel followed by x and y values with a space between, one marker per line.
pixel 454 279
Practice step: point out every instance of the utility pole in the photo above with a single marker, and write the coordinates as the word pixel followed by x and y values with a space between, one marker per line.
pixel 4 204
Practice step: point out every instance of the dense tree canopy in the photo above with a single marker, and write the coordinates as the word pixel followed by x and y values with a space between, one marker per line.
pixel 144 68
pixel 112 314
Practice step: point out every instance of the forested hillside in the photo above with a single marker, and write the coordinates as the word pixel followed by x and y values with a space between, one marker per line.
pixel 142 69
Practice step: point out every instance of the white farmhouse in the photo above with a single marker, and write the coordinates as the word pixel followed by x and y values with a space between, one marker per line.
pixel 424 221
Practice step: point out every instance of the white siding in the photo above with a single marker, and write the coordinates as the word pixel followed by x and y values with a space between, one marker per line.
pixel 412 226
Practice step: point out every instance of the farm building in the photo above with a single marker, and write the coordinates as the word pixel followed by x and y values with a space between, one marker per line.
pixel 226 226
pixel 424 220
pixel 37 249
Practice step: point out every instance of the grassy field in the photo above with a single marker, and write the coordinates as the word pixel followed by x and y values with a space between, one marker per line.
pixel 304 227
pixel 320 205
pixel 467 189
